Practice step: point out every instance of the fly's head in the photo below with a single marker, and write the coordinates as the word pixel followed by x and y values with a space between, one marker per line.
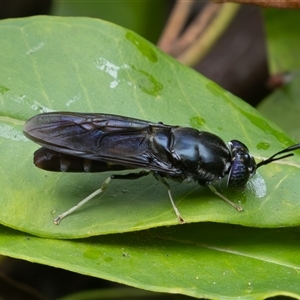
pixel 243 165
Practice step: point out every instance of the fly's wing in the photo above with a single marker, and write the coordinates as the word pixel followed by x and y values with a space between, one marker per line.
pixel 102 137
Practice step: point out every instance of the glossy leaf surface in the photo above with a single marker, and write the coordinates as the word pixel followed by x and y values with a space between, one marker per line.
pixel 204 260
pixel 81 64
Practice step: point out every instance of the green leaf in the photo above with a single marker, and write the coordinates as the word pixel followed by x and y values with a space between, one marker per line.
pixel 125 293
pixel 283 29
pixel 134 15
pixel 87 65
pixel 282 32
pixel 287 100
pixel 204 260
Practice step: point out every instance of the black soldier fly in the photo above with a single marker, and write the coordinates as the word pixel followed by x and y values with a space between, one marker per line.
pixel 83 142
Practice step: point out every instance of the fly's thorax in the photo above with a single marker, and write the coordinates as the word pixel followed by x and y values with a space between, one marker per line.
pixel 199 154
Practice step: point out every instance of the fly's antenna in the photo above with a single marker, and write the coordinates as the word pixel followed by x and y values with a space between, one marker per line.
pixel 273 157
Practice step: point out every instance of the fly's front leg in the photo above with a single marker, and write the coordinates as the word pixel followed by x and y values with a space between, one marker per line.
pixel 99 191
pixel 162 180
pixel 214 190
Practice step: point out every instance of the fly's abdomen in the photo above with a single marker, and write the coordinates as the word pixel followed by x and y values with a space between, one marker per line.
pixel 50 160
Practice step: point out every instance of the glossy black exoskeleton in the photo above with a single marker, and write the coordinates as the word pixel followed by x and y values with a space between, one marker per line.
pixel 82 142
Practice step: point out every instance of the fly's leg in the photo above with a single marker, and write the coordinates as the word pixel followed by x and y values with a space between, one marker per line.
pixel 162 180
pixel 99 191
pixel 214 190
pixel 82 202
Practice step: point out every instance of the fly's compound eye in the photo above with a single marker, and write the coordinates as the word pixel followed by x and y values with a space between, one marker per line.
pixel 243 165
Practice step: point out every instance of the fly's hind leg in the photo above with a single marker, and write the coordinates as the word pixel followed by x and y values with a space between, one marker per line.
pixel 99 191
